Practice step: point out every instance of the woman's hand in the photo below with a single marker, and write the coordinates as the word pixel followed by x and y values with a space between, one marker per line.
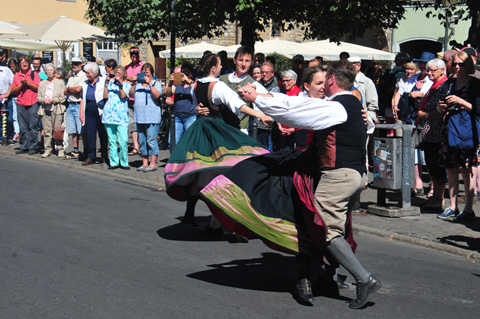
pixel 248 92
pixel 202 111
pixel 422 114
pixel 266 120
pixel 441 106
pixel 416 94
pixel 453 99
pixel 288 131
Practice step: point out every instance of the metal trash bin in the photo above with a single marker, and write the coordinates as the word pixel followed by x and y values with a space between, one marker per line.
pixel 388 163
pixel 393 169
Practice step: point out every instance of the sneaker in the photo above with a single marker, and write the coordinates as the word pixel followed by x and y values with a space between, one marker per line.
pixel 21 151
pixel 448 214
pixel 463 216
pixel 434 204
pixel 16 137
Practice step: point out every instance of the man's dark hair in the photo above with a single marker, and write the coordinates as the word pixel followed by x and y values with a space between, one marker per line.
pixel 3 52
pixel 344 55
pixel 132 48
pixel 260 57
pixel 402 58
pixel 111 63
pixel 244 50
pixel 344 73
pixel 37 58
pixel 298 59
pixel 271 59
pixel 187 69
pixel 92 59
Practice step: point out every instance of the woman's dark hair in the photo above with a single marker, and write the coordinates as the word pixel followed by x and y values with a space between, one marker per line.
pixel 187 69
pixel 12 61
pixel 255 66
pixel 111 63
pixel 310 72
pixel 207 62
pixel 148 66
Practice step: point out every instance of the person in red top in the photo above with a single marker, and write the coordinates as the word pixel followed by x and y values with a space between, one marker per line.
pixel 290 88
pixel 133 68
pixel 24 86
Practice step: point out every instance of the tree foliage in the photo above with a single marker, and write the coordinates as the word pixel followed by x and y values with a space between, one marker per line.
pixel 139 19
pixel 446 9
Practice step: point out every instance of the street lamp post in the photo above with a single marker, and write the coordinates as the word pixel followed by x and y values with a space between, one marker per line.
pixel 172 67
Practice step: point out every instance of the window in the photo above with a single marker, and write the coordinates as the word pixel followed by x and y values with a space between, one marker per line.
pixel 107 46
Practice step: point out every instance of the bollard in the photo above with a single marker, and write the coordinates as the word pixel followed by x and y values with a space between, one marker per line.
pixel 255 128
pixel 172 130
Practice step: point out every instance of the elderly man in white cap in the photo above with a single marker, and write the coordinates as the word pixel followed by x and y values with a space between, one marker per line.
pixel 366 88
pixel 74 92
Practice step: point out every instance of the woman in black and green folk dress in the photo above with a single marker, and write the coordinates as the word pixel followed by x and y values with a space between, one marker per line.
pixel 210 146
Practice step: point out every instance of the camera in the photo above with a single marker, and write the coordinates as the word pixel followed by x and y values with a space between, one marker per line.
pixel 140 77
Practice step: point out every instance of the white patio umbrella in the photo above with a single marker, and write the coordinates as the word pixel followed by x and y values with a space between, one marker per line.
pixel 283 47
pixel 193 50
pixel 331 51
pixel 28 44
pixel 63 31
pixel 10 32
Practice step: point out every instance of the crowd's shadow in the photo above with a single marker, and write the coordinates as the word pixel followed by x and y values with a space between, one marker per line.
pixel 470 243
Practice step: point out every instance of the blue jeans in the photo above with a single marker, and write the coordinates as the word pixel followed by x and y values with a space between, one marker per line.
pixel 181 126
pixel 147 138
pixel 28 123
pixel 72 119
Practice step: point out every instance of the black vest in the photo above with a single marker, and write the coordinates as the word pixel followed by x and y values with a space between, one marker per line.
pixel 343 145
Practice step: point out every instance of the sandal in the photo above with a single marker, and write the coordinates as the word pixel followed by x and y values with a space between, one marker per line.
pixel 134 152
pixel 430 193
pixel 418 191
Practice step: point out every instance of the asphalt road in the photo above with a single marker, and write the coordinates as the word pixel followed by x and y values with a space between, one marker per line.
pixel 78 245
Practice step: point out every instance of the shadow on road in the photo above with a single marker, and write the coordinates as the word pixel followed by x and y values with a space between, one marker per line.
pixel 181 232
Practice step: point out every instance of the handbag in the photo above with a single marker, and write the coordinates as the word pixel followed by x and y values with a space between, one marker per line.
pixel 462 130
pixel 58 131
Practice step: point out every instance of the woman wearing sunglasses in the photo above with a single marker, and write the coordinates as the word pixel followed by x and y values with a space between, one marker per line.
pixel 464 93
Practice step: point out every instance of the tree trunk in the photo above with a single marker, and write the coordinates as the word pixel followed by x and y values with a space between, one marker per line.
pixel 248 29
pixel 474 32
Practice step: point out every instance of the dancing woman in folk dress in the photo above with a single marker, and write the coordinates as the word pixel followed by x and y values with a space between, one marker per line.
pixel 210 146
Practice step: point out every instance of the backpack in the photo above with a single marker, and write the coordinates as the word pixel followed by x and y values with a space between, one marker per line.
pixel 462 130
pixel 386 87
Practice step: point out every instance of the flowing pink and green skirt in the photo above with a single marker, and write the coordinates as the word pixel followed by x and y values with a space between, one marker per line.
pixel 207 149
pixel 271 197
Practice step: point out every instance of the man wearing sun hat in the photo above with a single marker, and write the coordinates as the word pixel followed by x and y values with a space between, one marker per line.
pixel 366 88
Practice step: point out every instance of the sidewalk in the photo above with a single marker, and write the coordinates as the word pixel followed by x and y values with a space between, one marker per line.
pixel 424 230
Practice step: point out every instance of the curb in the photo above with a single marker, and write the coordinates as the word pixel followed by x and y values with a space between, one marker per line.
pixel 444 248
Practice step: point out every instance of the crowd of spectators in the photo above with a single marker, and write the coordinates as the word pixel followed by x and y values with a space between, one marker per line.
pixel 111 101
